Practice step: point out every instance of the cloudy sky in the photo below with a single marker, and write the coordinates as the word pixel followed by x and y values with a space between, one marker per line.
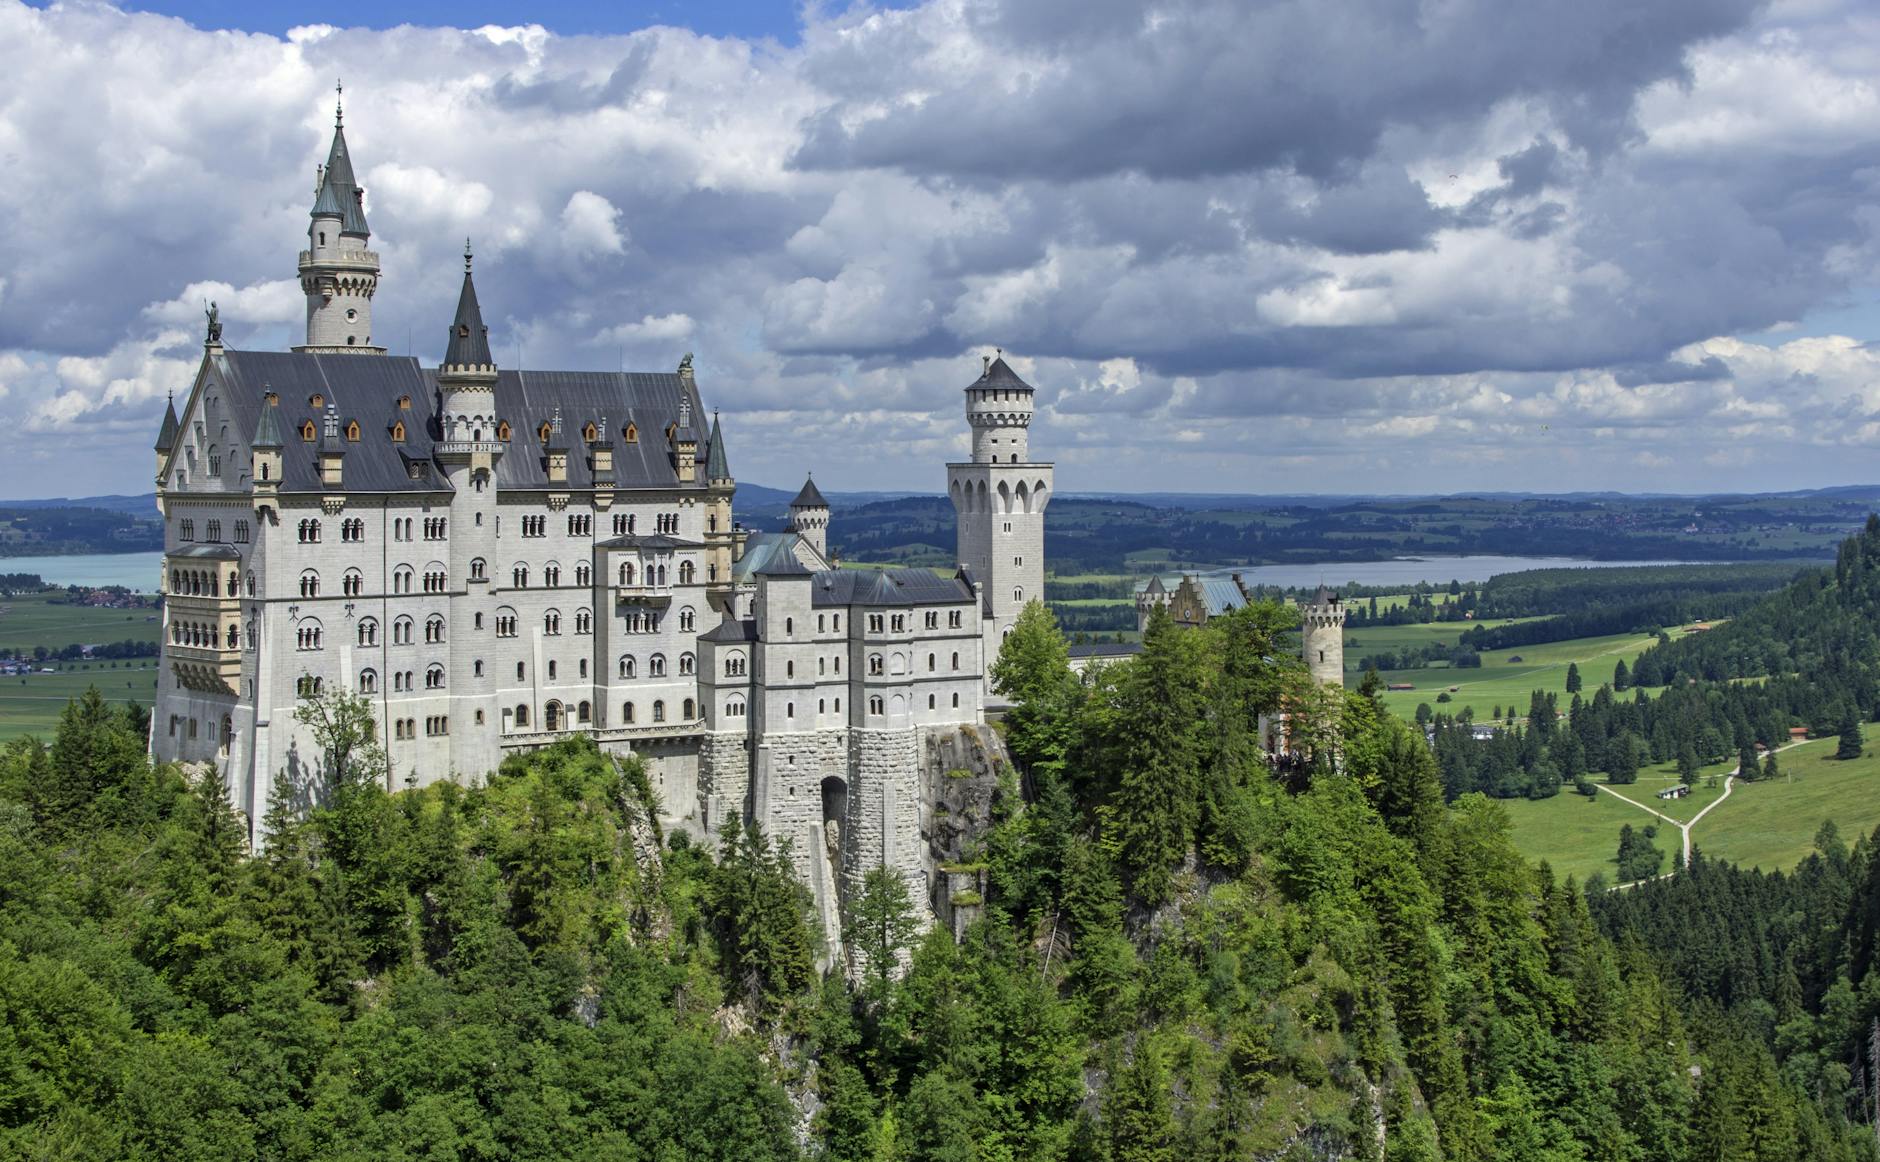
pixel 1296 246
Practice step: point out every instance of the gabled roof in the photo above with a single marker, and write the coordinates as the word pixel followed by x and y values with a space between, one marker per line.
pixel 469 338
pixel 1220 595
pixel 166 435
pixel 781 565
pixel 650 541
pixel 809 497
pixel 717 464
pixel 888 587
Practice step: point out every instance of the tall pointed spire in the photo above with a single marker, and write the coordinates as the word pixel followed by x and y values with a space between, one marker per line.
pixel 339 195
pixel 469 338
pixel 717 464
pixel 338 274
pixel 268 428
pixel 166 436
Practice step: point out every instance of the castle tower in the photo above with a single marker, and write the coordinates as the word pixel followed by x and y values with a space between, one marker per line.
pixel 999 499
pixel 809 518
pixel 466 381
pixel 1322 636
pixel 337 273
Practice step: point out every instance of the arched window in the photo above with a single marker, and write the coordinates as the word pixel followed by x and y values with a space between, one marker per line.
pixel 956 660
pixel 353 583
pixel 368 681
pixel 626 572
pixel 659 711
pixel 584 712
pixel 309 583
pixel 502 433
pixel 307 634
pixel 1018 594
pixel 686 572
pixel 631 433
pixel 626 665
pixel 656 666
pixel 734 666
pixel 583 621
pixel 434 677
pixel 519 577
pixel 368 631
pixel 590 433
pixel 401 631
pixel 477 568
pixel 685 664
pixel 352 431
pixel 875 665
pixel 434 629
pixel 545 431
pixel 626 713
pixel 398 431
pixel 686 620
pixel 551 622
pixel 930 663
pixel 583 575
pixel 307 431
pixel 551 575
pixel 691 710
pixel 522 714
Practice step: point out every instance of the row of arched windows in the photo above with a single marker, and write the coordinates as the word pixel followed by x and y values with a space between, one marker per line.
pixel 203 635
pixel 202 583
pixel 655 665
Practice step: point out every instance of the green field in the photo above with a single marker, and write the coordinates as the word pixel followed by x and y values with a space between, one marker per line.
pixel 1501 681
pixel 1767 825
pixel 26 622
pixel 32 705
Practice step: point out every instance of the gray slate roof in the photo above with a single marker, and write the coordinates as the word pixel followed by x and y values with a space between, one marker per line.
pixel 731 630
pixel 469 338
pixel 649 541
pixel 887 587
pixel 810 496
pixel 268 428
pixel 781 565
pixel 368 387
pixel 339 194
pixel 717 464
pixel 216 552
pixel 759 549
pixel 1000 375
pixel 166 435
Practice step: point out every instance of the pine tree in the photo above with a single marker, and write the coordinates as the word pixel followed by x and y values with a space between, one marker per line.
pixel 1033 659
pixel 1747 768
pixel 1851 742
pixel 1621 678
pixel 1573 677
pixel 1769 771
pixel 881 925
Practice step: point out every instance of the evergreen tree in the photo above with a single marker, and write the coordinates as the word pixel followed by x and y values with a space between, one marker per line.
pixel 1748 768
pixel 1033 660
pixel 1622 759
pixel 1769 769
pixel 1156 750
pixel 1621 678
pixel 1573 677
pixel 881 925
pixel 1851 740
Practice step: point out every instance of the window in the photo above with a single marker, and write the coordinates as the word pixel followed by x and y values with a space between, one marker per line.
pixel 522 714
pixel 626 572
pixel 1019 561
pixel 241 532
pixel 734 666
pixel 368 681
pixel 519 577
pixel 930 702
pixel 686 572
pixel 535 526
pixel 307 686
pixel 734 707
pixel 956 660
pixel 789 626
pixel 953 619
pixel 551 671
pixel 477 620
pixel 584 713
pixel 502 433
pixel 309 583
pixel 352 530
pixel 352 583
pixel 551 575
pixel 309 532
pixel 580 524
pixel 821 705
pixel 307 432
pixel 686 663
pixel 874 623
pixel 659 711
pixel 478 568
pixel 956 702
pixel 789 670
pixel 626 713
pixel 583 621
pixel 434 528
pixel 398 431
pixel 476 670
pixel 631 433
pixel 401 579
pixel 900 623
pixel 434 630
pixel 789 710
pixel 626 665
pixel 583 575
pixel 307 635
pixel 551 622
pixel 1018 594
pixel 521 671
pixel 582 666
pixel 505 624
pixel 930 663
pixel 401 631
pixel 622 524
pixel 656 666
pixel 437 724
pixel 434 677
pixel 215 531
pixel 933 619
pixel 874 704
pixel 686 620
pixel 875 666
pixel 368 632
pixel 352 429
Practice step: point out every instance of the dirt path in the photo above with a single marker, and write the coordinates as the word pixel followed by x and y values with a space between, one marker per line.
pixel 1684 829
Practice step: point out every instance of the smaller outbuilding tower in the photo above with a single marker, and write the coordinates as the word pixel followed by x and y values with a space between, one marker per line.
pixel 1322 636
pixel 809 518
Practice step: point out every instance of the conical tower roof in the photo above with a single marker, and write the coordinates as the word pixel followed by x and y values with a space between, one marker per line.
pixel 469 338
pixel 717 464
pixel 999 374
pixel 339 195
pixel 268 428
pixel 810 497
pixel 166 436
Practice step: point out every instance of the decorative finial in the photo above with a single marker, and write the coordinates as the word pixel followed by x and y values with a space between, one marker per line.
pixel 466 254
pixel 339 104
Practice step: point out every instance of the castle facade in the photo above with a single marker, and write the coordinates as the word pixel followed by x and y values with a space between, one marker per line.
pixel 499 558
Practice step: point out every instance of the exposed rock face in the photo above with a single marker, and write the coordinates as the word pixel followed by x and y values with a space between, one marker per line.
pixel 961 770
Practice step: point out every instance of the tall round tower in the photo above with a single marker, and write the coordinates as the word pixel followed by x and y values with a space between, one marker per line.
pixel 1322 636
pixel 338 274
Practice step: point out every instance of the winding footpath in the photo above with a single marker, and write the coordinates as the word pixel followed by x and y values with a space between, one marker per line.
pixel 1684 828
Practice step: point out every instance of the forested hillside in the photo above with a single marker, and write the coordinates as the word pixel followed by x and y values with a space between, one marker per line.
pixel 1185 955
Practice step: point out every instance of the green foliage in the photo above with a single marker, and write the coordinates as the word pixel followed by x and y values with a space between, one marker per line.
pixel 881 925
pixel 1851 742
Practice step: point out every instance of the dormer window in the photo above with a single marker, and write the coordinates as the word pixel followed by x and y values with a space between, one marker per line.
pixel 544 431
pixel 404 403
pixel 502 431
pixel 307 431
pixel 316 401
pixel 590 433
pixel 398 432
pixel 463 331
pixel 352 431
pixel 631 433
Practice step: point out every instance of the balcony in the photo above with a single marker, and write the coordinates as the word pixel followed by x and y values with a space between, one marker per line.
pixel 209 669
pixel 203 605
pixel 469 447
pixel 638 594
pixel 364 259
pixel 639 732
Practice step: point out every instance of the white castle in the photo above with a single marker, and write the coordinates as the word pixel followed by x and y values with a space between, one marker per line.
pixel 499 559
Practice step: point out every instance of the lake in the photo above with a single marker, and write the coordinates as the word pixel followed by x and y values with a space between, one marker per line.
pixel 1408 571
pixel 139 572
